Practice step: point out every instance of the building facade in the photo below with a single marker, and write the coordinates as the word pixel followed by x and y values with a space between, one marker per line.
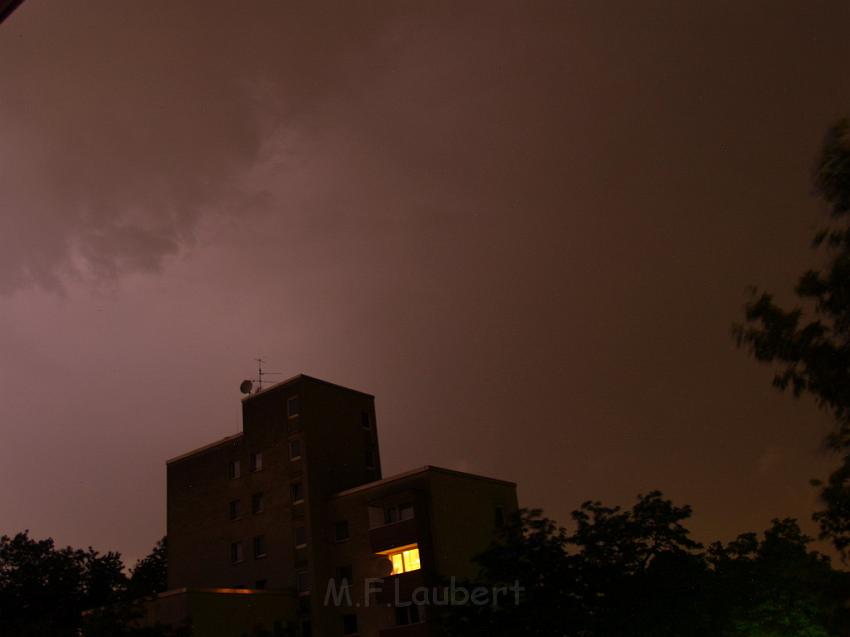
pixel 296 505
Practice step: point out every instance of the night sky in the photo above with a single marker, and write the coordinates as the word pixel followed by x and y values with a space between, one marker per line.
pixel 525 227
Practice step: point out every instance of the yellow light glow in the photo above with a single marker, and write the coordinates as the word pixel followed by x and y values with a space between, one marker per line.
pixel 411 560
pixel 398 564
pixel 403 559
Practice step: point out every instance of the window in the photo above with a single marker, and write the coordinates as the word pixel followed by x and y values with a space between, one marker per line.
pixel 296 490
pixel 405 559
pixel 405 615
pixel 256 462
pixel 499 517
pixel 259 546
pixel 293 407
pixel 261 584
pixel 302 582
pixel 306 629
pixel 236 552
pixel 258 503
pixel 233 470
pixel 395 514
pixel 234 509
pixel 341 530
pixel 344 576
pixel 294 449
pixel 349 624
pixel 366 420
pixel 370 459
pixel 300 537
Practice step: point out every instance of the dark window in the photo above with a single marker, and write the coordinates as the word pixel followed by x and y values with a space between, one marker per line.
pixel 344 576
pixel 341 530
pixel 302 582
pixel 370 459
pixel 396 513
pixel 300 536
pixel 234 509
pixel 366 420
pixel 349 624
pixel 259 546
pixel 306 629
pixel 236 552
pixel 258 504
pixel 233 469
pixel 296 490
pixel 261 584
pixel 293 406
pixel 256 462
pixel 499 517
pixel 405 615
pixel 294 449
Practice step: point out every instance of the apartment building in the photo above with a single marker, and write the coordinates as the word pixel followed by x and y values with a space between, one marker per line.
pixel 293 515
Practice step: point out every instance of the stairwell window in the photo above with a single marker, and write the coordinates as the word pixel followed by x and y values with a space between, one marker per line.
pixel 256 462
pixel 293 407
pixel 300 537
pixel 295 449
pixel 259 547
pixel 258 504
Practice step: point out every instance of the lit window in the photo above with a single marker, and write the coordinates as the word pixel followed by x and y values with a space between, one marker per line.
pixel 256 462
pixel 296 490
pixel 258 504
pixel 235 509
pixel 349 624
pixel 294 449
pixel 405 559
pixel 300 537
pixel 233 469
pixel 259 546
pixel 341 530
pixel 236 552
pixel 293 407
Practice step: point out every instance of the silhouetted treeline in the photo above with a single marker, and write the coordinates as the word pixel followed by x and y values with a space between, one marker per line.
pixel 57 592
pixel 637 572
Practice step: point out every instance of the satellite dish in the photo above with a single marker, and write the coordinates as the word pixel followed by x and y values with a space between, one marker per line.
pixel 246 386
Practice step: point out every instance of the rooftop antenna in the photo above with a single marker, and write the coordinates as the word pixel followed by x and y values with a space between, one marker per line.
pixel 248 385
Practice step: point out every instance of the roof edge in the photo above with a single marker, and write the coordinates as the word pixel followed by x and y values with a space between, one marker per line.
pixel 413 472
pixel 292 379
pixel 207 447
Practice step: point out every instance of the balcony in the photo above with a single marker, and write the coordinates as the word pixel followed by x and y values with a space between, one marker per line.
pixel 389 536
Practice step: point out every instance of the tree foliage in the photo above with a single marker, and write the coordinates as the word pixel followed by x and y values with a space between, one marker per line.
pixel 637 572
pixel 60 592
pixel 809 343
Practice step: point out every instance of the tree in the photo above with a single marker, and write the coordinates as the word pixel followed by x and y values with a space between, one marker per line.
pixel 44 590
pixel 776 587
pixel 150 575
pixel 809 344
